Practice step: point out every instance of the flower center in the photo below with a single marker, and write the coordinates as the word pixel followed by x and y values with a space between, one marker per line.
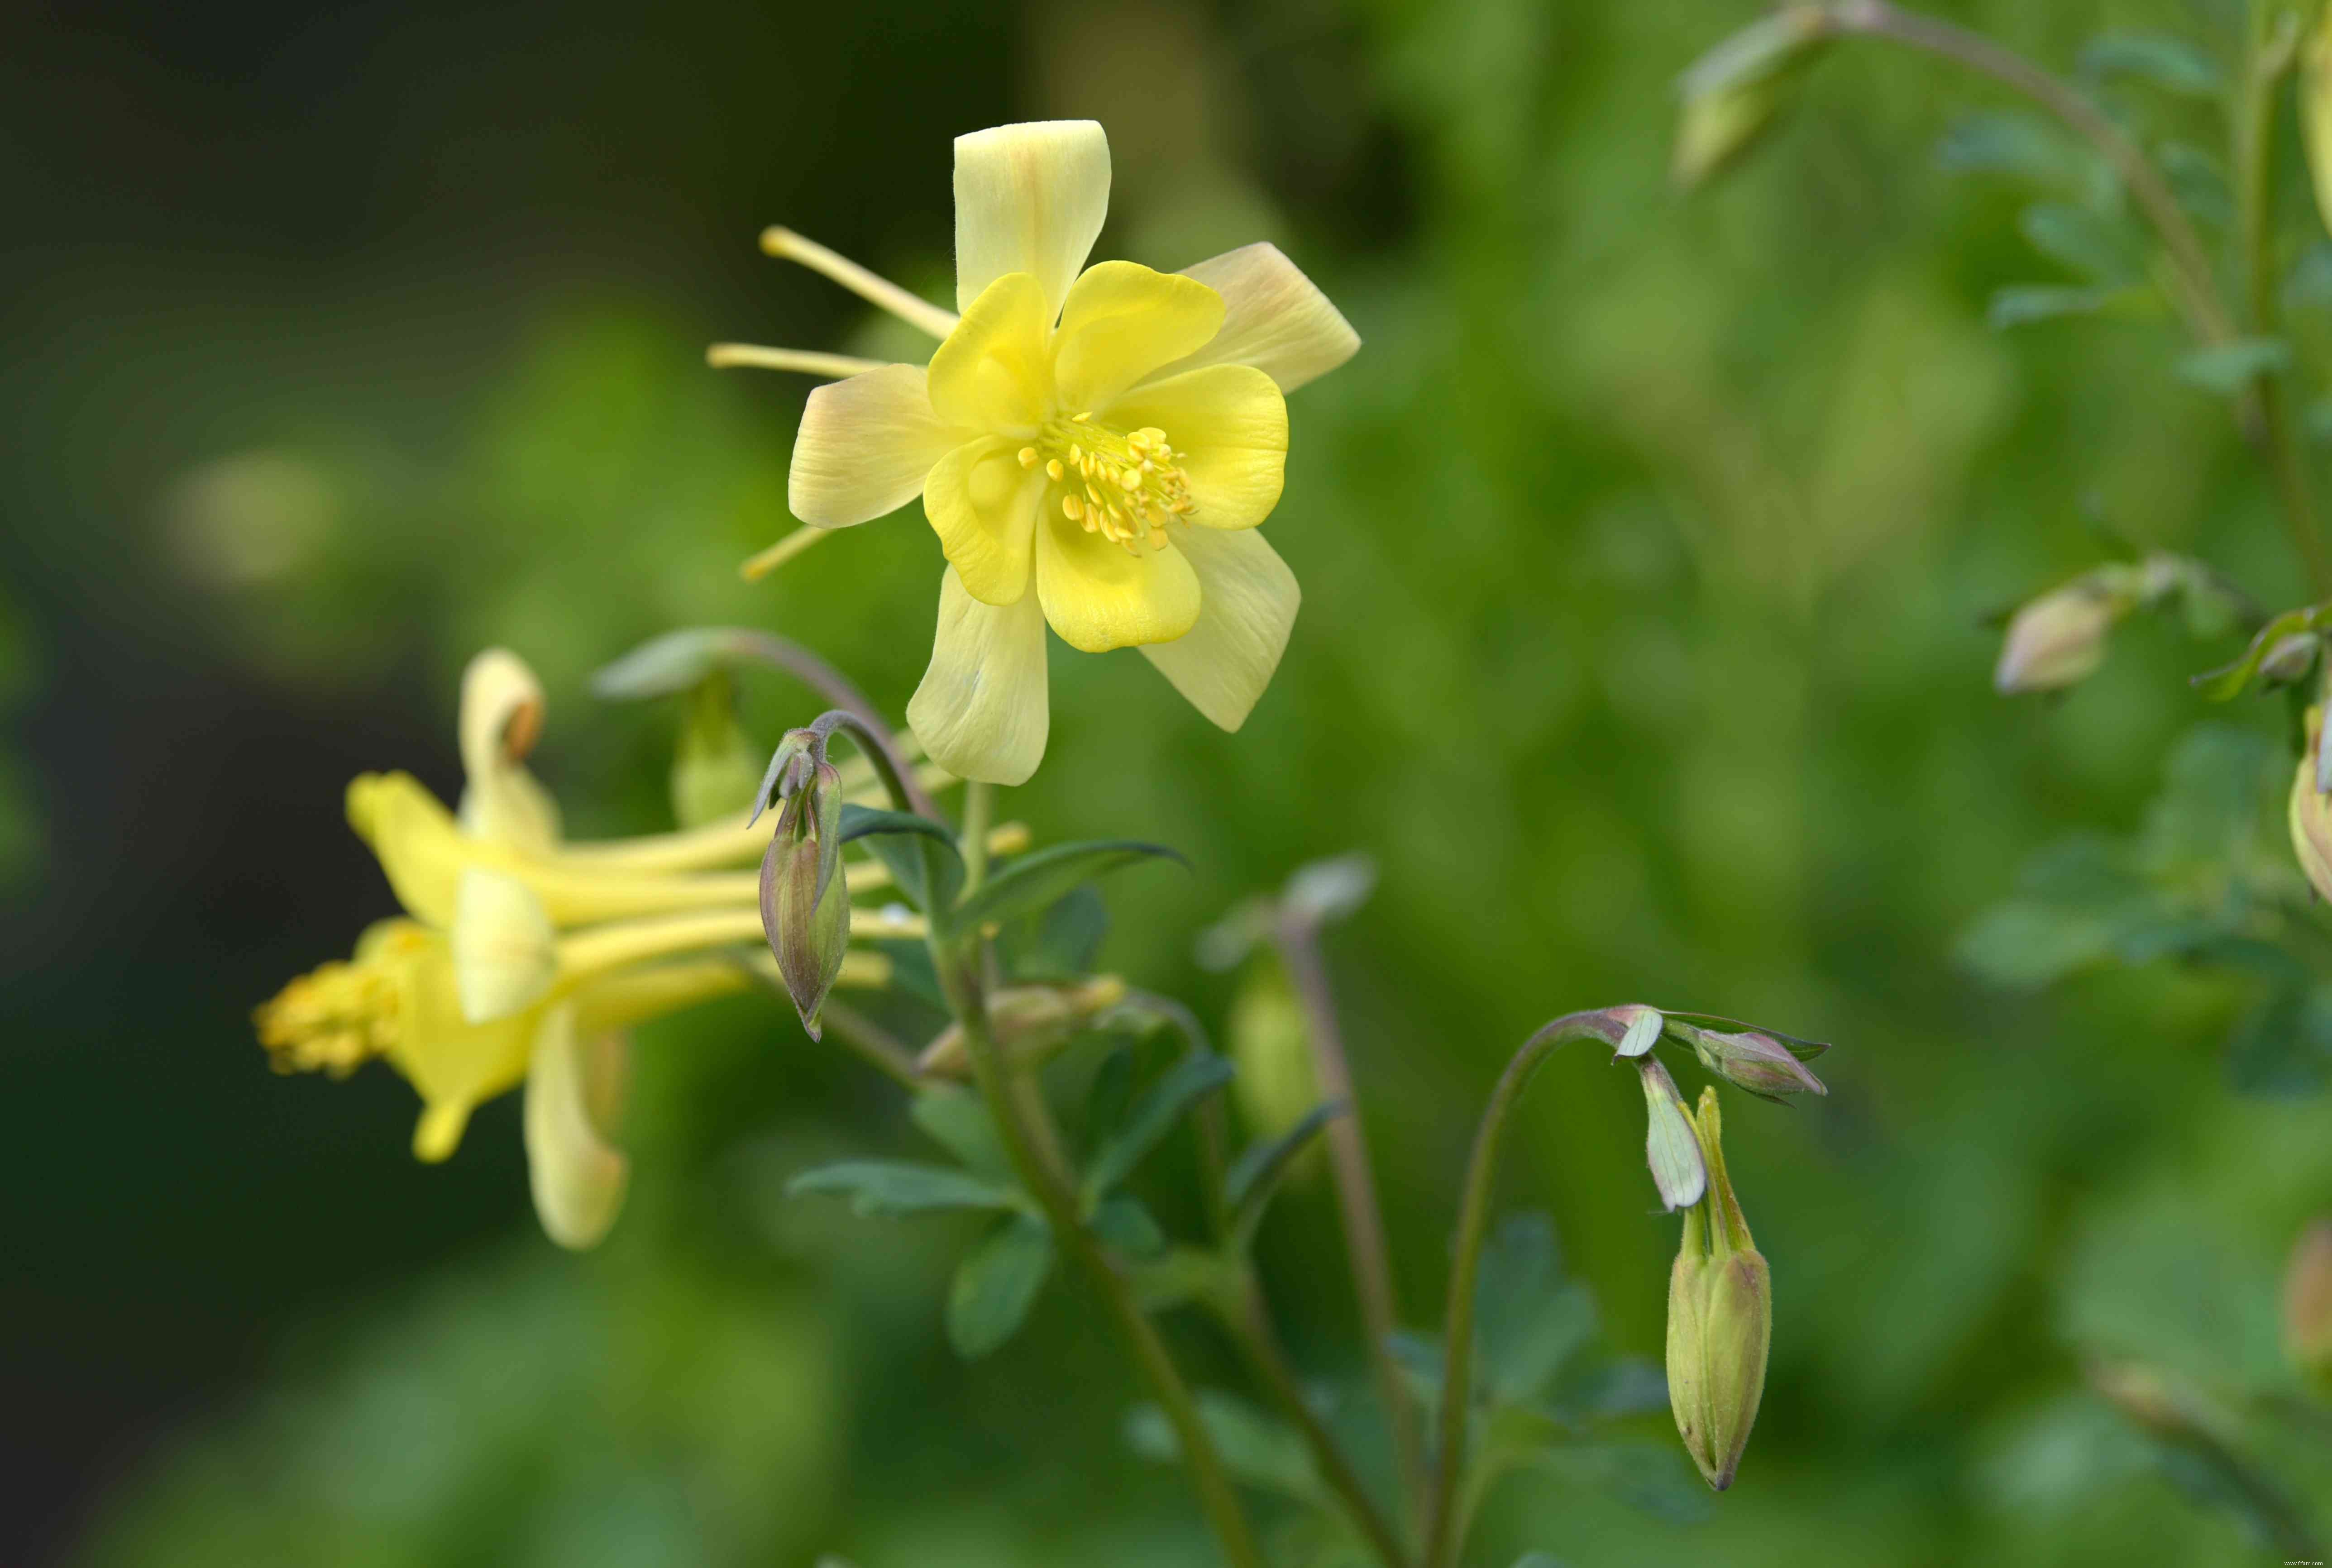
pixel 331 1020
pixel 1123 486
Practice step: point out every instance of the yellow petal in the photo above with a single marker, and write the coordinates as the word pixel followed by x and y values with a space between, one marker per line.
pixel 865 447
pixel 981 712
pixel 453 1064
pixel 505 950
pixel 995 372
pixel 1228 427
pixel 1247 608
pixel 577 1177
pixel 1120 322
pixel 982 504
pixel 501 717
pixel 1098 596
pixel 1028 199
pixel 1274 318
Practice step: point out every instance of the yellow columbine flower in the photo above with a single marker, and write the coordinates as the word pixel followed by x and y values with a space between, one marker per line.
pixel 525 956
pixel 1094 448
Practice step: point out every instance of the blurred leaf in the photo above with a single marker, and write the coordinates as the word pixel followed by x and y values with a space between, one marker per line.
pixel 1062 942
pixel 2219 784
pixel 1179 1275
pixel 895 1187
pixel 663 666
pixel 2105 253
pixel 901 841
pixel 1623 1386
pixel 1111 1098
pixel 1538 1560
pixel 2167 62
pixel 1256 1447
pixel 1035 881
pixel 1154 1116
pixel 1528 1320
pixel 997 1283
pixel 2199 182
pixel 1653 1478
pixel 959 1121
pixel 2308 284
pixel 2282 1046
pixel 1416 1355
pixel 2011 143
pixel 2021 304
pixel 1257 1171
pixel 2228 368
pixel 1124 1223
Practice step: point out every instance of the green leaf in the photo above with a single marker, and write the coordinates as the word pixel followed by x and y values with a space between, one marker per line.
pixel 1035 881
pixel 1418 1356
pixel 997 1283
pixel 2283 1046
pixel 1124 1223
pixel 663 665
pixel 2083 242
pixel 2308 284
pixel 2021 145
pixel 1193 1077
pixel 1182 1274
pixel 959 1121
pixel 2228 368
pixel 1257 1170
pixel 2021 304
pixel 899 1187
pixel 2218 786
pixel 2198 181
pixel 1626 1386
pixel 1528 1322
pixel 1061 943
pixel 1111 1096
pixel 1257 1449
pixel 1652 1478
pixel 2168 63
pixel 903 841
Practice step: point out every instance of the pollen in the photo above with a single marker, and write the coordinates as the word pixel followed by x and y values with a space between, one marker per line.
pixel 332 1020
pixel 1125 485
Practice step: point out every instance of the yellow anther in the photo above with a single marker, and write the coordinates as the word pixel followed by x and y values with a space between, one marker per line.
pixel 1085 419
pixel 1053 469
pixel 1073 509
pixel 1029 458
pixel 1129 479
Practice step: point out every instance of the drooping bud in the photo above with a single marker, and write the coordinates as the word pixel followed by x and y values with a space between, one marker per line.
pixel 1735 93
pixel 805 899
pixel 712 767
pixel 2311 810
pixel 1750 1059
pixel 2308 1306
pixel 1277 1082
pixel 2289 659
pixel 1027 1023
pixel 1720 1319
pixel 2059 639
pixel 1670 1146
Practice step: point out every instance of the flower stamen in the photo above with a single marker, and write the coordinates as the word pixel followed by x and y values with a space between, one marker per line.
pixel 1132 484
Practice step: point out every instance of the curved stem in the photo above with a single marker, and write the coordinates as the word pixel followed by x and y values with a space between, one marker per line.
pixel 2254 138
pixel 2197 293
pixel 2264 411
pixel 1250 1325
pixel 874 745
pixel 784 654
pixel 1298 944
pixel 1441 1535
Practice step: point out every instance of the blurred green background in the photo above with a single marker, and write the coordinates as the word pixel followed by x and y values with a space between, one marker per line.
pixel 1645 551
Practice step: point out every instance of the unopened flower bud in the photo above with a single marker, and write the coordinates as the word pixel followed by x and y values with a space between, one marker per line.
pixel 712 767
pixel 2311 812
pixel 1670 1147
pixel 1736 91
pixel 2059 639
pixel 1277 1082
pixel 1027 1023
pixel 2289 659
pixel 2308 1306
pixel 805 899
pixel 1720 1319
pixel 1752 1059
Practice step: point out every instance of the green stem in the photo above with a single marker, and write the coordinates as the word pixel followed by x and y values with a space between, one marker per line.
pixel 1442 1536
pixel 1356 1199
pixel 877 1045
pixel 1250 1325
pixel 1217 1499
pixel 2276 438
pixel 978 811
pixel 897 780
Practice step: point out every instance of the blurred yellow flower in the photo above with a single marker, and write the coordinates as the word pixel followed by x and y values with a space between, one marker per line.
pixel 524 958
pixel 1094 447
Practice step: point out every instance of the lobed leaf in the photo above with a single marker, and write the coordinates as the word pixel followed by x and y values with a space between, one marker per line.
pixel 997 1283
pixel 1196 1075
pixel 1257 1171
